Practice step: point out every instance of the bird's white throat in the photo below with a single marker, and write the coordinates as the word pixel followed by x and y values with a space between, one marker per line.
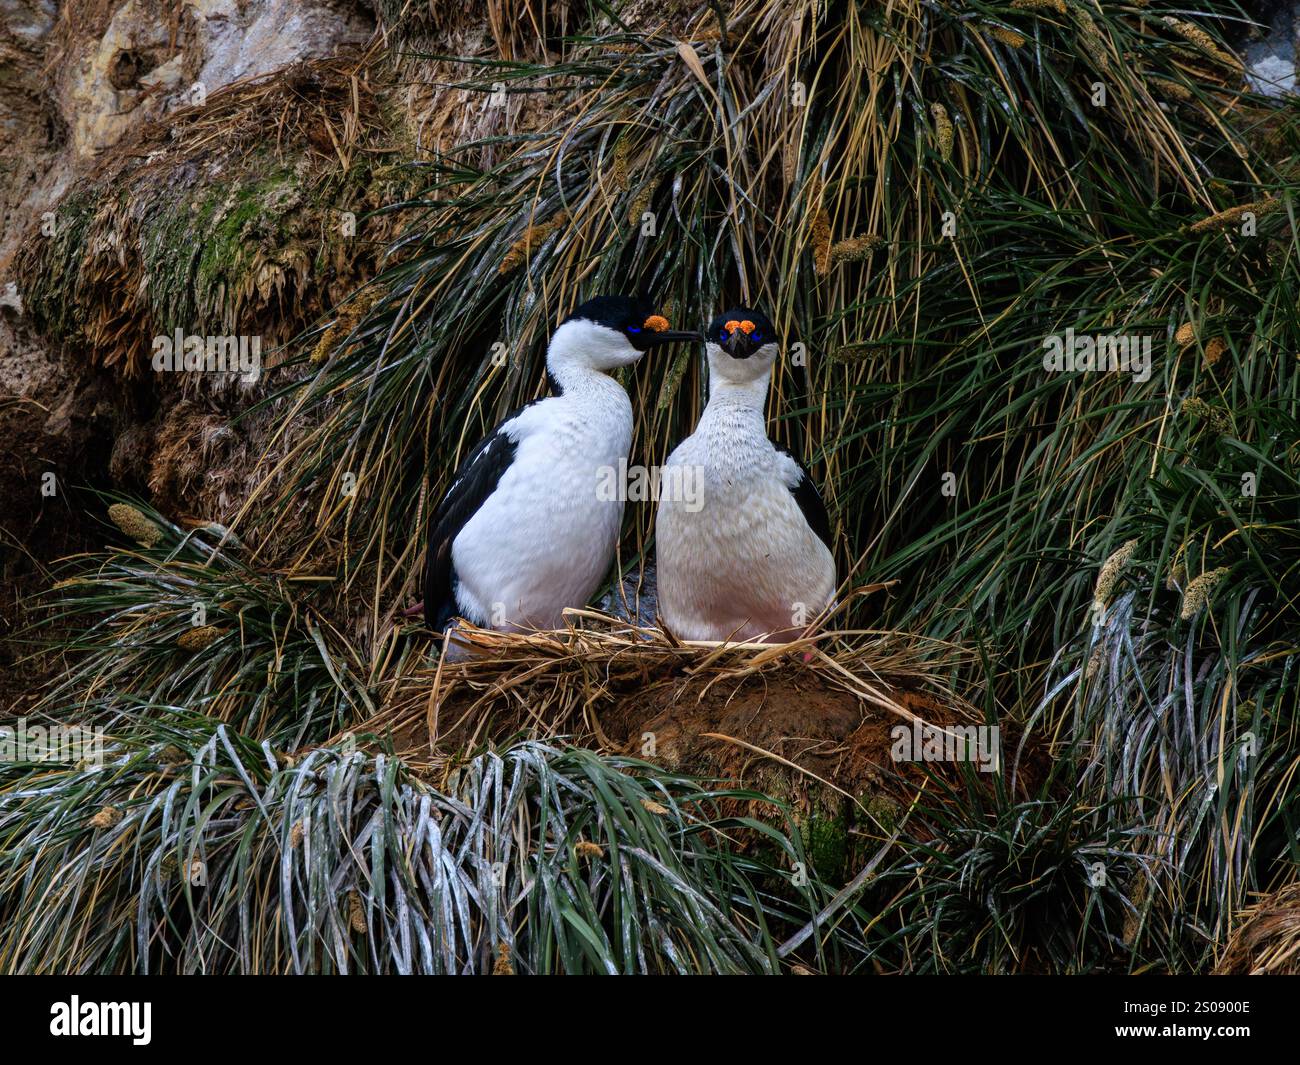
pixel 740 382
pixel 580 352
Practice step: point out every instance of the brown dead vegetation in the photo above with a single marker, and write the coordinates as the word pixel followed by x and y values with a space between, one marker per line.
pixel 1267 943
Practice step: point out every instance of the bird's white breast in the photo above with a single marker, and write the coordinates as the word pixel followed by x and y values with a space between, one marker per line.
pixel 745 564
pixel 545 538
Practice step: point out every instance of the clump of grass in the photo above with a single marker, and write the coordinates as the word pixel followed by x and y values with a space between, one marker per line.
pixel 1038 886
pixel 238 861
pixel 186 621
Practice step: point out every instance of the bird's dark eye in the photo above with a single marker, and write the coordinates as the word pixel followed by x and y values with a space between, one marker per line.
pixel 756 335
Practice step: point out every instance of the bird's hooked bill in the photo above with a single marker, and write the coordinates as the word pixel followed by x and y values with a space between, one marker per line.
pixel 739 343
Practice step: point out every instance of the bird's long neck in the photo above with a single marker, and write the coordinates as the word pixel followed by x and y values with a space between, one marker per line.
pixel 726 391
pixel 572 379
pixel 572 369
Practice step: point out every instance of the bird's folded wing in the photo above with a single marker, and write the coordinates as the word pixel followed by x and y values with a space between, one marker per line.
pixel 808 498
pixel 475 480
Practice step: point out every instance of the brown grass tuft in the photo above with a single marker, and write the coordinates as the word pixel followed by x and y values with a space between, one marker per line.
pixel 1267 942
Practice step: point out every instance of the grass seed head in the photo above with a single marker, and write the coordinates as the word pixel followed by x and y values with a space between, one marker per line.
pixel 1197 36
pixel 1095 660
pixel 198 638
pixel 106 817
pixel 943 131
pixel 1110 571
pixel 641 203
pixel 1216 417
pixel 853 249
pixel 345 320
pixel 1233 215
pixel 1198 592
pixel 533 236
pixel 821 241
pixel 134 524
pixel 619 166
pixel 1091 40
pixel 1171 89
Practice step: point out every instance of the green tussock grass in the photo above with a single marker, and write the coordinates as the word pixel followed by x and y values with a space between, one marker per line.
pixel 918 195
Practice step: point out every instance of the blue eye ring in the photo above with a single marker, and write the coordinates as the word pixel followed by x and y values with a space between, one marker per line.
pixel 756 335
pixel 634 329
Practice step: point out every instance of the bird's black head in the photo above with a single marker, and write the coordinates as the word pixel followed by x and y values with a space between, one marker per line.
pixel 741 331
pixel 634 317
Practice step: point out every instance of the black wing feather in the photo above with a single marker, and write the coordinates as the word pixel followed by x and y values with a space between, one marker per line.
pixel 810 502
pixel 475 480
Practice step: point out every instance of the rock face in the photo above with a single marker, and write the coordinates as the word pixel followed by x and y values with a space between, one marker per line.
pixel 152 57
pixel 1271 61
pixel 79 80
pixel 36 390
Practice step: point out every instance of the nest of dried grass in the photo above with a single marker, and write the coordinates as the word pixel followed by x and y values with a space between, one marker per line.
pixel 809 722
pixel 1267 943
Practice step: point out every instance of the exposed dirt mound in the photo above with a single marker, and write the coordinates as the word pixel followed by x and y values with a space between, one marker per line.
pixel 766 732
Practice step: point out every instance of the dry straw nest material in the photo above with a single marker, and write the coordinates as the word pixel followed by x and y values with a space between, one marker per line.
pixel 810 722
pixel 1267 943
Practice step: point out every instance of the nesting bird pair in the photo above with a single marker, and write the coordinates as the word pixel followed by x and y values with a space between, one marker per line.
pixel 522 533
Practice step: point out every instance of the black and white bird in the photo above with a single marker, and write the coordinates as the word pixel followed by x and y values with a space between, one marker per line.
pixel 524 531
pixel 750 559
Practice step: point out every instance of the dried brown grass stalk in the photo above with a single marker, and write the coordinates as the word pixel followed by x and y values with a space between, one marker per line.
pixel 1267 942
